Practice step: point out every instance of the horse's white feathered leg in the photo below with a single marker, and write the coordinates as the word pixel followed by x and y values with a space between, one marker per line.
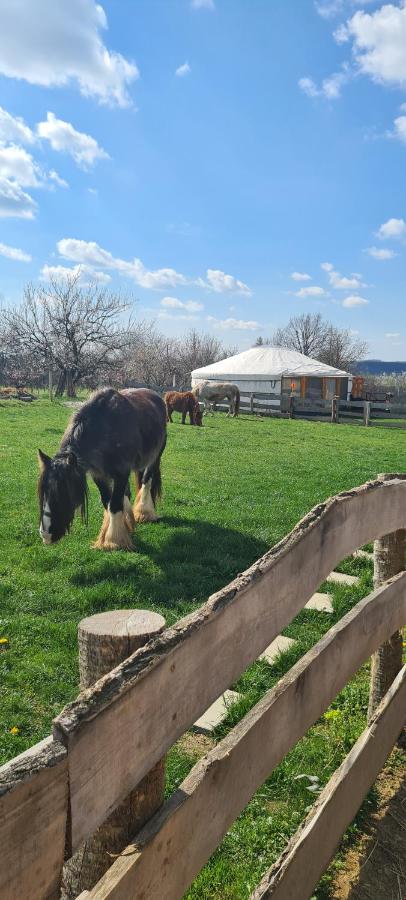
pixel 99 543
pixel 144 509
pixel 117 536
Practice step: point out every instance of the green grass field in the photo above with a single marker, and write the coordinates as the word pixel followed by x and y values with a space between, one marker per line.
pixel 231 490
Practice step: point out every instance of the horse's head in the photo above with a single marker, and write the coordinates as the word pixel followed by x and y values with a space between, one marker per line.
pixel 61 490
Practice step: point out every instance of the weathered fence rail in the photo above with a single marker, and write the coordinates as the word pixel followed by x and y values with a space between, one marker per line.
pixel 107 740
pixel 361 412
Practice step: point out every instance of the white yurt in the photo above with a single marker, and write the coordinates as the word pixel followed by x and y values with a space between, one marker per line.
pixel 280 371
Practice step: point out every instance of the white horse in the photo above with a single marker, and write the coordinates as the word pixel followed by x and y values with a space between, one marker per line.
pixel 211 392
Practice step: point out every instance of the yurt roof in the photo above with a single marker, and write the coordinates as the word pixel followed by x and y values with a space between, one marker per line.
pixel 262 363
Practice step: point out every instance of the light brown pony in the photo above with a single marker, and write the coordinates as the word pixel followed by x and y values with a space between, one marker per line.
pixel 183 402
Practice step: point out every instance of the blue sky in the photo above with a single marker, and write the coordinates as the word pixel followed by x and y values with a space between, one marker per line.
pixel 197 154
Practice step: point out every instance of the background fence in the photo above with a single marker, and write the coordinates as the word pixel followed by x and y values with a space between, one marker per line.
pixel 354 412
pixel 107 746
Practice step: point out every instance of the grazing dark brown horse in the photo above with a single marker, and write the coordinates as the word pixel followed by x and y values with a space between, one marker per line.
pixel 113 434
pixel 183 402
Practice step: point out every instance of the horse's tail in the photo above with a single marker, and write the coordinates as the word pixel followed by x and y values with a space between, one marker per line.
pixel 237 401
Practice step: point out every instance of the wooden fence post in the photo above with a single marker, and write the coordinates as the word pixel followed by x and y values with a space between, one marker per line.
pixel 252 404
pixel 105 640
pixel 334 410
pixel 292 406
pixel 389 560
pixel 367 412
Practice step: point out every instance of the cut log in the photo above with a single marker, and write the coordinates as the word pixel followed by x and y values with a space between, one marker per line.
pixel 105 640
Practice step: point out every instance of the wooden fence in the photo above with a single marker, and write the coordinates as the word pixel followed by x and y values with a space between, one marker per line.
pixel 357 412
pixel 55 795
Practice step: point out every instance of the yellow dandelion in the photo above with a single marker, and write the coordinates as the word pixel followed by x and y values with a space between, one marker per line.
pixel 3 640
pixel 14 730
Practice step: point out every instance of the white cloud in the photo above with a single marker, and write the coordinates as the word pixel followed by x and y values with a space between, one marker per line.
pixel 63 137
pixel 301 276
pixel 14 202
pixel 87 274
pixel 393 334
pixel 330 87
pixel 202 4
pixel 59 42
pixel 393 228
pixel 222 283
pixel 183 70
pixel 14 253
pixel 233 324
pixel 354 300
pixel 381 253
pixel 309 87
pixel 340 282
pixel 18 166
pixel 400 128
pixel 89 253
pixel 379 40
pixel 53 176
pixel 313 291
pixel 174 303
pixel 14 129
pixel 19 170
pixel 330 8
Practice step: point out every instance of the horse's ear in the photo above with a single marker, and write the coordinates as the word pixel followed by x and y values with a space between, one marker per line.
pixel 43 460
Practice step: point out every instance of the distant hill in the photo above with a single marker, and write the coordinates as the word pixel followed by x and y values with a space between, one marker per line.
pixel 379 367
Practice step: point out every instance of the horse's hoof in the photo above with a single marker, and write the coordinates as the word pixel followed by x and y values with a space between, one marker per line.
pixel 97 545
pixel 109 546
pixel 144 517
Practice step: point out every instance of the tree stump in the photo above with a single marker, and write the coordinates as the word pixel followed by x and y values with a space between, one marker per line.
pixel 105 640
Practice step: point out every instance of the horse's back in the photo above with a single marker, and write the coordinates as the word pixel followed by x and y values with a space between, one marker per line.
pixel 179 400
pixel 144 400
pixel 116 429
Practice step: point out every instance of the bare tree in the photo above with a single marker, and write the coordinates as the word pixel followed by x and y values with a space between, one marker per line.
pixel 314 336
pixel 152 359
pixel 159 362
pixel 197 350
pixel 78 331
pixel 306 333
pixel 342 349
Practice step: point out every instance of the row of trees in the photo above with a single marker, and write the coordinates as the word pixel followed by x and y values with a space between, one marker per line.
pixel 314 336
pixel 86 336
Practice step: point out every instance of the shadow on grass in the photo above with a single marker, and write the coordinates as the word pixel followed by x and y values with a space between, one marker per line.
pixel 176 561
